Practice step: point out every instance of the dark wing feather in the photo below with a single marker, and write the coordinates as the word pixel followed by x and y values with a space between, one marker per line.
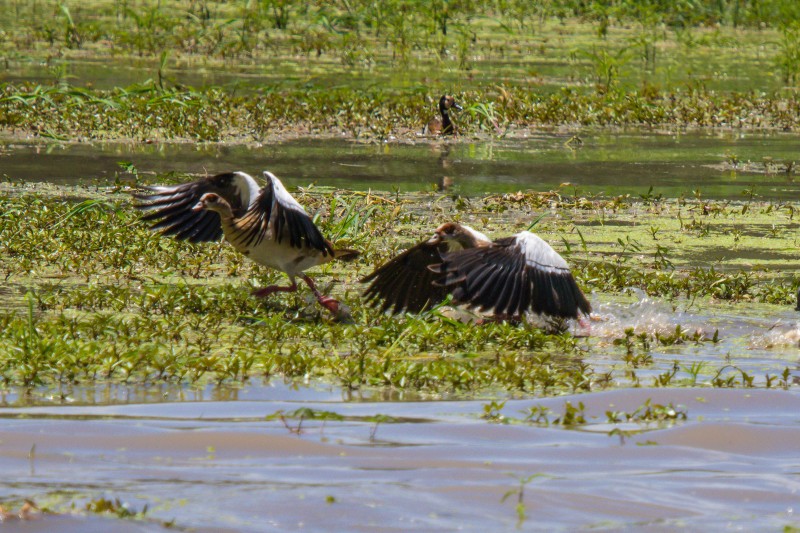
pixel 514 275
pixel 406 283
pixel 276 215
pixel 170 207
pixel 554 290
pixel 557 295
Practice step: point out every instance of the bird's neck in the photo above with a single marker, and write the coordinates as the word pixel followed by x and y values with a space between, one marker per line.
pixel 445 117
pixel 230 225
pixel 225 214
pixel 470 238
pixel 464 242
pixel 228 222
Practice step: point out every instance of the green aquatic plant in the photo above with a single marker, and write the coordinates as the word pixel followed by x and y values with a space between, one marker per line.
pixel 114 507
pixel 519 492
pixel 649 412
pixel 492 411
pixel 489 118
pixel 574 415
pixel 92 295
pixel 153 111
pixel 788 57
pixel 606 66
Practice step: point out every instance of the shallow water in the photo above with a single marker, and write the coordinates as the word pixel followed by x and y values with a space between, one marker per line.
pixel 606 163
pixel 222 466
pixel 210 458
pixel 547 62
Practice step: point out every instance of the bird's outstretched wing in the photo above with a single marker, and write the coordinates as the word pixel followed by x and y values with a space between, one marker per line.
pixel 170 206
pixel 276 215
pixel 405 283
pixel 514 275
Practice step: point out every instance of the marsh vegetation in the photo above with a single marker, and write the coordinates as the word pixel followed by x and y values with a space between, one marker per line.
pixel 107 299
pixel 375 71
pixel 694 286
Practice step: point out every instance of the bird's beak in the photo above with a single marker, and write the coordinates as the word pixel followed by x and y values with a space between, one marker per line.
pixel 199 206
pixel 457 106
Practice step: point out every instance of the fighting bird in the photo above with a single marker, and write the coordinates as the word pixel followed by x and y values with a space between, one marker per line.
pixel 264 223
pixel 442 125
pixel 508 276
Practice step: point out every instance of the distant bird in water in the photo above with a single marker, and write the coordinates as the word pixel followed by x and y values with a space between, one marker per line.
pixel 509 276
pixel 442 125
pixel 264 223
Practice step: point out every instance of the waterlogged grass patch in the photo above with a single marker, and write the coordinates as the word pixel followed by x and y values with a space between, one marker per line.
pixel 647 416
pixel 298 416
pixel 294 68
pixel 61 505
pixel 116 509
pixel 586 43
pixel 90 294
pixel 148 112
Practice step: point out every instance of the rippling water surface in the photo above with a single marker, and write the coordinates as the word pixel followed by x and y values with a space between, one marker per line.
pixel 216 465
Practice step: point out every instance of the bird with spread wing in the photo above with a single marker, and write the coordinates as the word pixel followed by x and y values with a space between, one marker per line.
pixel 265 224
pixel 508 276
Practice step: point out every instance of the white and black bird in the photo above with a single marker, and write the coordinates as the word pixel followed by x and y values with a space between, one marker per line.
pixel 508 276
pixel 264 223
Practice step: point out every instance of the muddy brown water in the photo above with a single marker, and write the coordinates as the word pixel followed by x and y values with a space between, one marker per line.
pixel 210 460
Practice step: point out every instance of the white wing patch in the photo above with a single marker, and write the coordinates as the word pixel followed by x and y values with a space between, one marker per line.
pixel 540 255
pixel 247 188
pixel 282 196
pixel 163 188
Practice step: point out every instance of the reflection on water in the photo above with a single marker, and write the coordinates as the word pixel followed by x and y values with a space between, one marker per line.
pixel 611 164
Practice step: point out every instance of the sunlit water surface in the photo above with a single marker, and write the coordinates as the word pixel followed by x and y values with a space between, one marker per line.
pixel 720 165
pixel 211 460
pixel 221 466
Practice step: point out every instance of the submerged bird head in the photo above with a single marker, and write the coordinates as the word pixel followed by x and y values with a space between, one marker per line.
pixel 213 202
pixel 458 236
pixel 446 102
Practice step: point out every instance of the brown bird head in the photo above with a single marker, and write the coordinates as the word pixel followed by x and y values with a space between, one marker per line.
pixel 447 102
pixel 457 237
pixel 213 202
